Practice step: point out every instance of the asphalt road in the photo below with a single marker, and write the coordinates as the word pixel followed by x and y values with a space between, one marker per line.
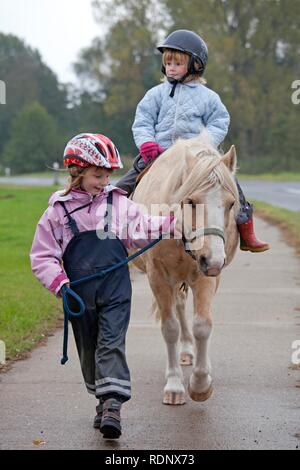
pixel 256 403
pixel 32 180
pixel 282 194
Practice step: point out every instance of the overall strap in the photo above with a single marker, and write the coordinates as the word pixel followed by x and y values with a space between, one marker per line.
pixel 71 222
pixel 81 207
pixel 108 213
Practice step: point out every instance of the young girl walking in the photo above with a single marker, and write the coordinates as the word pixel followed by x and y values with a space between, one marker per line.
pixel 86 227
pixel 181 107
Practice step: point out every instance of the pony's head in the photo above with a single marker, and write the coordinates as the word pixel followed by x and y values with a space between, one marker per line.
pixel 208 195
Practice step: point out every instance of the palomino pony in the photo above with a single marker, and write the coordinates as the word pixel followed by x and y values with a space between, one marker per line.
pixel 189 173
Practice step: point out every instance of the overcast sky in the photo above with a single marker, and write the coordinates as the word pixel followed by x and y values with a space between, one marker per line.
pixel 57 28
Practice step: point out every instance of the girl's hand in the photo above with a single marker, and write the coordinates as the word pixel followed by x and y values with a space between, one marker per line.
pixel 150 151
pixel 59 294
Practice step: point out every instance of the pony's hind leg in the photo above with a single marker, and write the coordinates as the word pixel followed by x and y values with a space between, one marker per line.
pixel 186 339
pixel 174 392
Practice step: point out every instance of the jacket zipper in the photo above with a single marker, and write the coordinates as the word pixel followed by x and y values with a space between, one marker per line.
pixel 91 200
pixel 176 112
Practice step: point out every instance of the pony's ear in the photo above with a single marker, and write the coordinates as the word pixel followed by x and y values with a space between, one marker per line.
pixel 230 159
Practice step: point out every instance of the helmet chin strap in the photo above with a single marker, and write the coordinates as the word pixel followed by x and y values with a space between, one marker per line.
pixel 175 82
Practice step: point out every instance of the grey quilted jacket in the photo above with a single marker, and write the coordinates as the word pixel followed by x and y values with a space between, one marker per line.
pixel 163 119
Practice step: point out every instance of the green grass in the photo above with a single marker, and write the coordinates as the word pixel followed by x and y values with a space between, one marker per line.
pixel 283 176
pixel 27 310
pixel 288 221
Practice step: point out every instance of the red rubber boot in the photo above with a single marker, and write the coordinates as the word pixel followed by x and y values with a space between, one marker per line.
pixel 248 240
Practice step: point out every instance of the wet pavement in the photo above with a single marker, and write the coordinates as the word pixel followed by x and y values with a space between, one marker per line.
pixel 256 400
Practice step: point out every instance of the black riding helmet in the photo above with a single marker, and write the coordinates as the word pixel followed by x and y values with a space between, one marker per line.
pixel 190 43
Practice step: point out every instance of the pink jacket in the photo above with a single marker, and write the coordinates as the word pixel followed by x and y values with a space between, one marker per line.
pixel 52 235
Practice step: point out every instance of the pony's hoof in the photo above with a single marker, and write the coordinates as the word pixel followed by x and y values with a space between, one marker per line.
pixel 203 396
pixel 174 398
pixel 186 359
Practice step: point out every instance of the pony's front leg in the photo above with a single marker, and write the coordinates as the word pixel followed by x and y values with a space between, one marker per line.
pixel 174 392
pixel 200 385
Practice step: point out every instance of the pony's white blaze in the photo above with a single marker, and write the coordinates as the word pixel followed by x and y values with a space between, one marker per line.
pixel 214 249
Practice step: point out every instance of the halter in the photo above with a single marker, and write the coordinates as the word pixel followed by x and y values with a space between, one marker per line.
pixel 200 232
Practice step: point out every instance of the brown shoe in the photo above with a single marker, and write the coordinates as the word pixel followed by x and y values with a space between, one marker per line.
pixel 98 417
pixel 111 419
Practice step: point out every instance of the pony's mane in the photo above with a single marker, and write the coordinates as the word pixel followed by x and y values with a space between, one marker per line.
pixel 208 169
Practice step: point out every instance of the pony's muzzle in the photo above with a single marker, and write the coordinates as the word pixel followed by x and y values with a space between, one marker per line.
pixel 210 267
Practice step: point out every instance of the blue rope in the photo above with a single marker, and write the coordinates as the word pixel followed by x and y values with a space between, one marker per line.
pixel 68 292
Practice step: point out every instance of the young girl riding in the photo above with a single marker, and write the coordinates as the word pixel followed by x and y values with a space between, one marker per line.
pixel 86 227
pixel 181 107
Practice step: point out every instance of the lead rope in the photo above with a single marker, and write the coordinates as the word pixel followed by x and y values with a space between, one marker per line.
pixel 68 292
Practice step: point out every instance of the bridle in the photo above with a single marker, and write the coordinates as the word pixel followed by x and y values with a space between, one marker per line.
pixel 202 232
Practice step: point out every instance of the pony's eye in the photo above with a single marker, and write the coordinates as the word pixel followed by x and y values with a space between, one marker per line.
pixel 231 206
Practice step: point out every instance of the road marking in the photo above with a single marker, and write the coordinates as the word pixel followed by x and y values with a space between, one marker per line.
pixel 293 191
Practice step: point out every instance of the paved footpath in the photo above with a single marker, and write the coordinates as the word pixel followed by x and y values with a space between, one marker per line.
pixel 256 404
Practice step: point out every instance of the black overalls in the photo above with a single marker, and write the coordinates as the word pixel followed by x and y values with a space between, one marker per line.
pixel 100 332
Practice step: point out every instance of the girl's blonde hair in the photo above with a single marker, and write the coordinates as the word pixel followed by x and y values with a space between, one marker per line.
pixel 75 179
pixel 182 58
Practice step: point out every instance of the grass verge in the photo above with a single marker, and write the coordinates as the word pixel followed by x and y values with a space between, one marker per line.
pixel 287 221
pixel 28 312
pixel 284 176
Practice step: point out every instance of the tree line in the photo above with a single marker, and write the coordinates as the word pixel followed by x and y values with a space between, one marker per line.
pixel 254 52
